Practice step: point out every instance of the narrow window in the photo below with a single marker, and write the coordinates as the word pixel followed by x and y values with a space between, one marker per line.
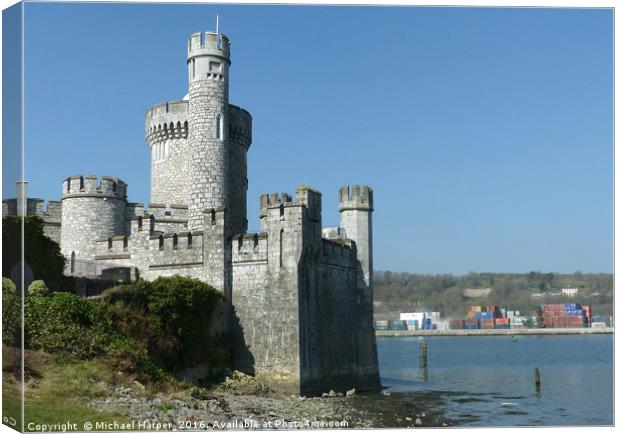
pixel 175 242
pixel 193 68
pixel 114 186
pixel 81 183
pixel 68 185
pixel 72 262
pixel 110 243
pixel 281 244
pixel 281 212
pixel 255 241
pixel 189 240
pixel 125 243
pixel 212 216
pixel 140 223
pixel 152 223
pixel 218 127
pixel 161 242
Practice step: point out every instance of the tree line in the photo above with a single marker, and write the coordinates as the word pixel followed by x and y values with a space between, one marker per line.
pixel 405 292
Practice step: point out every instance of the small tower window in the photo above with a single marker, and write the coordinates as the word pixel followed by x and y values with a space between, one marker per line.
pixel 81 183
pixel 189 240
pixel 161 242
pixel 212 216
pixel 175 242
pixel 110 243
pixel 219 127
pixel 152 223
pixel 72 262
pixel 281 211
pixel 114 186
pixel 125 244
pixel 140 223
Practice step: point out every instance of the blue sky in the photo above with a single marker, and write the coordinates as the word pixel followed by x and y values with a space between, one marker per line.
pixel 485 133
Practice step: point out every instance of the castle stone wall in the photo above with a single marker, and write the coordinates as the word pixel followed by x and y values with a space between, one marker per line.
pixel 184 260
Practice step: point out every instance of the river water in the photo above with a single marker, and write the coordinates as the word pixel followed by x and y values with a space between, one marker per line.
pixel 489 380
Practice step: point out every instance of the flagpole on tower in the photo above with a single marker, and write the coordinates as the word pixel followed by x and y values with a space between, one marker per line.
pixel 217 25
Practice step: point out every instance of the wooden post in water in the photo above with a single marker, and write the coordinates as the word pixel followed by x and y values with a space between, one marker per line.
pixel 424 359
pixel 423 354
pixel 537 379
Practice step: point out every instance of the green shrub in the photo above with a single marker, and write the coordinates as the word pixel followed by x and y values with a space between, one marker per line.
pixel 64 324
pixel 11 313
pixel 172 316
pixel 8 285
pixel 144 329
pixel 38 287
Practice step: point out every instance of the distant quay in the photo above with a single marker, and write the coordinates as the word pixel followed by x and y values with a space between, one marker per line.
pixel 496 332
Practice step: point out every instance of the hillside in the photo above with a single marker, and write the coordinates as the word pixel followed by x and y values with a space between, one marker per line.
pixel 407 292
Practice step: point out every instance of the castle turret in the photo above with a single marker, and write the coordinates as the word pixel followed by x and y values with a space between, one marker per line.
pixel 91 208
pixel 166 133
pixel 208 59
pixel 356 207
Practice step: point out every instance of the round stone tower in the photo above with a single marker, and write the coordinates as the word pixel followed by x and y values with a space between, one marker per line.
pixel 166 133
pixel 91 209
pixel 208 60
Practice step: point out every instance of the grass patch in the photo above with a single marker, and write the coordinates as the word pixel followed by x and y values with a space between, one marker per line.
pixel 61 394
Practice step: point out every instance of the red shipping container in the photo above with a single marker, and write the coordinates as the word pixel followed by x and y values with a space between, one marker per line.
pixel 456 324
pixel 487 323
pixel 502 321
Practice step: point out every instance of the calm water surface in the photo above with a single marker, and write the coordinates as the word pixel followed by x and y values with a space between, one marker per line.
pixel 489 380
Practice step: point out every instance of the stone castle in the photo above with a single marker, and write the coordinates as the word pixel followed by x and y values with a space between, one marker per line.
pixel 300 295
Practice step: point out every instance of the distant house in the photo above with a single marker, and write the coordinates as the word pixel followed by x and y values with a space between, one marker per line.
pixel 570 292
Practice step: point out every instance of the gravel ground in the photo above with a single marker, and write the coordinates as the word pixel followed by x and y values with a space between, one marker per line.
pixel 243 403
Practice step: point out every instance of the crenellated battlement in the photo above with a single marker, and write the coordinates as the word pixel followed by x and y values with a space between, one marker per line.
pixel 355 198
pixel 91 185
pixel 273 200
pixel 251 247
pixel 304 196
pixel 208 44
pixel 240 125
pixel 167 121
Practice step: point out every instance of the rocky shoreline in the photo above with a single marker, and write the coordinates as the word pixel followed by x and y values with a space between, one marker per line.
pixel 241 402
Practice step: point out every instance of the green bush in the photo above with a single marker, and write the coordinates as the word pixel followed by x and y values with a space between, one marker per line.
pixel 38 287
pixel 8 285
pixel 130 356
pixel 11 313
pixel 64 324
pixel 144 329
pixel 172 315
